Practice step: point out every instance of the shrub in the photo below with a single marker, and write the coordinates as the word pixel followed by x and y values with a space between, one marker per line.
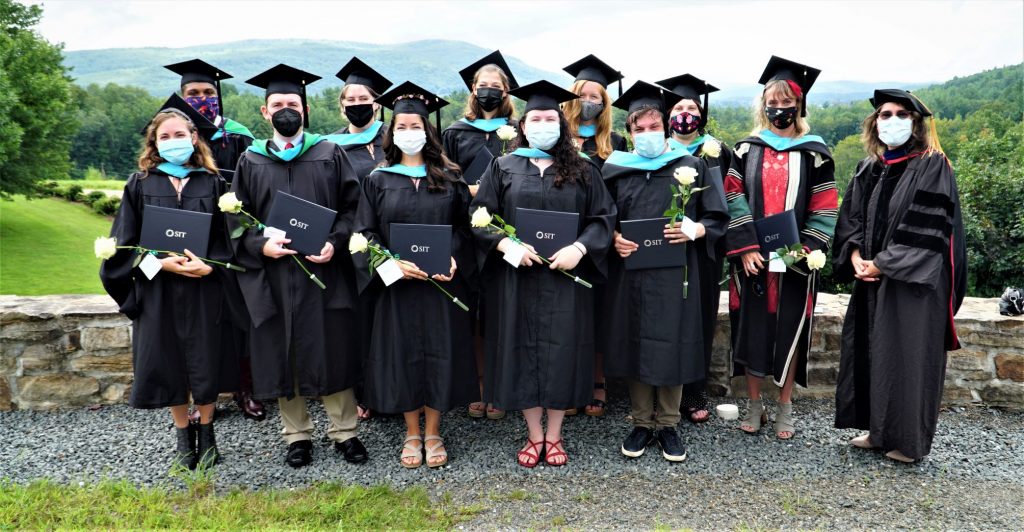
pixel 107 206
pixel 73 193
pixel 94 196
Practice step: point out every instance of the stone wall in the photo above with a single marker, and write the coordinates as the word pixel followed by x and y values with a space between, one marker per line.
pixel 69 351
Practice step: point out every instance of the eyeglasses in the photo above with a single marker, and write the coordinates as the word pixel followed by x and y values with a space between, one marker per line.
pixel 885 115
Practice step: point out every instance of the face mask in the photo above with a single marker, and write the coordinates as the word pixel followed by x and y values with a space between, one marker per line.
pixel 176 151
pixel 359 115
pixel 410 141
pixel 208 106
pixel 489 99
pixel 542 135
pixel 684 123
pixel 287 122
pixel 895 131
pixel 780 117
pixel 649 145
pixel 590 111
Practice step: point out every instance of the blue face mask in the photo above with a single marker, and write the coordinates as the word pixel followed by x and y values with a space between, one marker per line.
pixel 649 145
pixel 542 135
pixel 176 151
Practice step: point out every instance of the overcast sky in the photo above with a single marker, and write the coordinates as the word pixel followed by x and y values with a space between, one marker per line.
pixel 726 42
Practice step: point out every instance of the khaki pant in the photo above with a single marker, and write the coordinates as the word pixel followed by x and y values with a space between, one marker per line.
pixel 341 410
pixel 645 400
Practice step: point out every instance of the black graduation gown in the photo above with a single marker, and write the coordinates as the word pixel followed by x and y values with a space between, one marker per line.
pixel 775 343
pixel 462 142
pixel 363 162
pixel 655 335
pixel 590 147
pixel 226 151
pixel 539 332
pixel 176 321
pixel 897 330
pixel 299 333
pixel 421 348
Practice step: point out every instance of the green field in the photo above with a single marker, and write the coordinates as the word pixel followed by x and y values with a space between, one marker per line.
pixel 46 247
pixel 94 184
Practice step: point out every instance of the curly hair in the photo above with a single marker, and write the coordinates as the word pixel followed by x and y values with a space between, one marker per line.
pixel 570 166
pixel 440 169
pixel 150 157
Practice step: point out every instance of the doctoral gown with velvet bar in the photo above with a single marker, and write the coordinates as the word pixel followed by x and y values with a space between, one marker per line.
pixel 421 347
pixel 177 321
pixel 539 332
pixel 905 217
pixel 299 333
pixel 655 335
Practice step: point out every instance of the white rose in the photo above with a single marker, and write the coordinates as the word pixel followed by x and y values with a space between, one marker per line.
pixel 506 133
pixel 105 247
pixel 229 203
pixel 712 148
pixel 816 260
pixel 685 175
pixel 357 243
pixel 481 218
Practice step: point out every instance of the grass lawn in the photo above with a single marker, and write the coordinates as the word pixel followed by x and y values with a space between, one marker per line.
pixel 120 505
pixel 94 184
pixel 46 247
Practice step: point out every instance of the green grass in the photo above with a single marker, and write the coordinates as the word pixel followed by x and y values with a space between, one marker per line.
pixel 120 505
pixel 94 184
pixel 46 247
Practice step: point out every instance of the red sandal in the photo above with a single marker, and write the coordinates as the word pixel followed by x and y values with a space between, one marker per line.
pixel 555 453
pixel 524 456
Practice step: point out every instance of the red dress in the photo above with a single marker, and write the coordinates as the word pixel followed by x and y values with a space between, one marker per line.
pixel 774 180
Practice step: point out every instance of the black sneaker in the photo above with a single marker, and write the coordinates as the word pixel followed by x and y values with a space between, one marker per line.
pixel 672 447
pixel 636 443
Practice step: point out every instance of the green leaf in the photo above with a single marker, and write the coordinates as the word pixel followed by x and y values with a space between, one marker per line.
pixel 138 259
pixel 237 232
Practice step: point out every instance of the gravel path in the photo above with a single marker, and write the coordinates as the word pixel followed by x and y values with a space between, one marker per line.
pixel 974 478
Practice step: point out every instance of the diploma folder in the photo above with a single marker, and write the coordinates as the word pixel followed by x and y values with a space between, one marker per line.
pixel 777 231
pixel 305 223
pixel 654 251
pixel 429 246
pixel 175 230
pixel 478 166
pixel 546 231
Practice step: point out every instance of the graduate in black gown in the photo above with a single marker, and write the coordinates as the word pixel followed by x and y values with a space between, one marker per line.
pixel 540 327
pixel 488 108
pixel 176 315
pixel 200 87
pixel 302 338
pixel 782 168
pixel 900 239
pixel 688 120
pixel 655 333
pixel 421 351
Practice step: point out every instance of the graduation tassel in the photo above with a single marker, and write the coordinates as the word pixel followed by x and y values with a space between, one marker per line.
pixel 437 120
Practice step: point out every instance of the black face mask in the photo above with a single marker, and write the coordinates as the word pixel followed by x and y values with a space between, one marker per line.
pixel 287 122
pixel 780 117
pixel 488 98
pixel 359 115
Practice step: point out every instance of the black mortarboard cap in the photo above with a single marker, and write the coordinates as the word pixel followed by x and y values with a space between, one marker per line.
pixel 409 97
pixel 591 68
pixel 803 75
pixel 205 128
pixel 542 95
pixel 493 58
pixel 902 97
pixel 195 70
pixel 688 87
pixel 356 72
pixel 283 79
pixel 641 94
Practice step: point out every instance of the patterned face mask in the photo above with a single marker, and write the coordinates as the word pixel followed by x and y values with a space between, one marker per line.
pixel 780 117
pixel 208 106
pixel 684 123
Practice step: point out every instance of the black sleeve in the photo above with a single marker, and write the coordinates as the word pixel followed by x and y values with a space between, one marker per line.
pixel 116 272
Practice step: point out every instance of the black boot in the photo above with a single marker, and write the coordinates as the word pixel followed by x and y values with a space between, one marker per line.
pixel 207 452
pixel 185 454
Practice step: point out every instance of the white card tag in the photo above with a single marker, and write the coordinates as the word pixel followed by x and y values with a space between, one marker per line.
pixel 272 232
pixel 775 263
pixel 389 272
pixel 514 254
pixel 689 228
pixel 150 266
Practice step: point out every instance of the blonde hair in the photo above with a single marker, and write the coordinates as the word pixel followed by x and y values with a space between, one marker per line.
pixel 781 88
pixel 923 138
pixel 202 157
pixel 573 108
pixel 473 109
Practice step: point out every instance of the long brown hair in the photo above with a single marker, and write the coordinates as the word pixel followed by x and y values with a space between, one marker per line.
pixel 202 157
pixel 440 169
pixel 569 164
pixel 783 88
pixel 922 138
pixel 473 109
pixel 572 109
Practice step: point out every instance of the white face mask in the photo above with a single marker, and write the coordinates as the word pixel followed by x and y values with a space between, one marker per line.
pixel 542 135
pixel 411 141
pixel 895 131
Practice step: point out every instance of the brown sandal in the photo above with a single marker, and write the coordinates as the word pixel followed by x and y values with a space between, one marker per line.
pixel 410 451
pixel 433 452
pixel 596 407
